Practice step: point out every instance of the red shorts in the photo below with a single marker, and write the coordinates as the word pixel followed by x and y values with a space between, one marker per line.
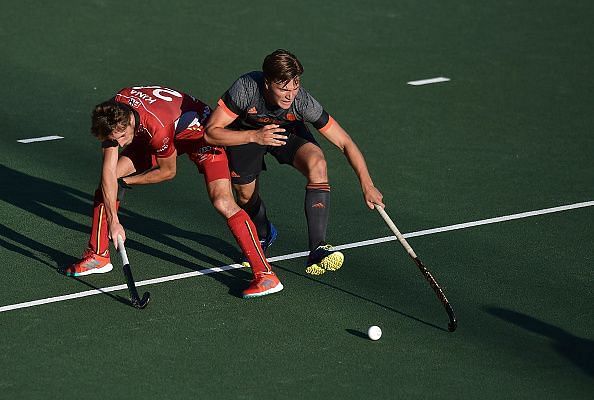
pixel 210 160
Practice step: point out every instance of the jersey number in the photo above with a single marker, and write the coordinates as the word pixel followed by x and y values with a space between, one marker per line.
pixel 161 92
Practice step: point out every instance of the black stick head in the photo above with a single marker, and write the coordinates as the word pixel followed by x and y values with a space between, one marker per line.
pixel 141 303
pixel 452 326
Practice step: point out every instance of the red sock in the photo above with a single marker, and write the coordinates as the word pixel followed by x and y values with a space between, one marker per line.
pixel 246 236
pixel 99 241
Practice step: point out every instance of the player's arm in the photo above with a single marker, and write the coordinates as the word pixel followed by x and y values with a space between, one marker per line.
pixel 165 169
pixel 109 187
pixel 341 139
pixel 218 134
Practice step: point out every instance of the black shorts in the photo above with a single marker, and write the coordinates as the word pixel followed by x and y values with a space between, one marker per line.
pixel 246 161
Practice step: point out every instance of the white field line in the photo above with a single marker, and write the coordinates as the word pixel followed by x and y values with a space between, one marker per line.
pixel 297 255
pixel 428 81
pixel 40 139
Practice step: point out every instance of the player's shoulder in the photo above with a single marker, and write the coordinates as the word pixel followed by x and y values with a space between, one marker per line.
pixel 254 76
pixel 306 106
pixel 304 99
pixel 124 91
pixel 125 95
pixel 251 80
pixel 245 91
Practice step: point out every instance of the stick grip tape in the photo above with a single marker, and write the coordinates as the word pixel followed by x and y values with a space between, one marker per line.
pixel 122 251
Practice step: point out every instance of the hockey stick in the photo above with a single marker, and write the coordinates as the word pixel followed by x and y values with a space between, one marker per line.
pixel 434 285
pixel 135 300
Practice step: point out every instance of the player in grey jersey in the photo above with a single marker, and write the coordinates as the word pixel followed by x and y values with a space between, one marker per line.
pixel 265 112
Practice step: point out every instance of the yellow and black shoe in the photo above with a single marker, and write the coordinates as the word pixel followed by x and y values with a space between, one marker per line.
pixel 324 258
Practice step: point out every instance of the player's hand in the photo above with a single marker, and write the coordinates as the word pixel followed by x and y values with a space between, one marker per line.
pixel 117 230
pixel 270 135
pixel 372 197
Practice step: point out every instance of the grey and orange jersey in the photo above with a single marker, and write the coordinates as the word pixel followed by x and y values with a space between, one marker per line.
pixel 245 101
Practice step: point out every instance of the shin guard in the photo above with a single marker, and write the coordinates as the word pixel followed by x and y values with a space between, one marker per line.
pixel 99 241
pixel 317 209
pixel 257 211
pixel 244 231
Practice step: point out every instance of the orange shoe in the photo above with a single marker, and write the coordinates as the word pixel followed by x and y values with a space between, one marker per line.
pixel 264 283
pixel 90 263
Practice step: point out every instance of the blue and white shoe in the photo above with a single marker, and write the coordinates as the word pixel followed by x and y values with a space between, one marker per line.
pixel 265 243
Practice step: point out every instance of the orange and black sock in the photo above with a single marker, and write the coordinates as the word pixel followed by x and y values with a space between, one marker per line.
pixel 317 209
pixel 257 211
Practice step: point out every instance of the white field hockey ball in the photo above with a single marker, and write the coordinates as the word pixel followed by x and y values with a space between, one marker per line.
pixel 374 332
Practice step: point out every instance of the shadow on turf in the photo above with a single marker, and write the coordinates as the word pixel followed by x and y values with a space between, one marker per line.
pixel 115 297
pixel 362 298
pixel 37 247
pixel 578 350
pixel 357 333
pixel 31 248
pixel 41 197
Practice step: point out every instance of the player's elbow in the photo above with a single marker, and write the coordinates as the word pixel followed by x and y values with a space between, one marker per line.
pixel 169 175
pixel 348 146
pixel 208 138
pixel 166 174
pixel 211 138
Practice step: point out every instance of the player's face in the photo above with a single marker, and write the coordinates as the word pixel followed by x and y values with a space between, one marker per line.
pixel 283 94
pixel 124 136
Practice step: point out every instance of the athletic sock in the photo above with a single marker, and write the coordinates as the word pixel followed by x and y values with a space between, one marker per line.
pixel 244 231
pixel 257 211
pixel 99 241
pixel 317 209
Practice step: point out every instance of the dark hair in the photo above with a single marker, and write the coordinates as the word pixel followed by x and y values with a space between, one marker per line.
pixel 281 67
pixel 109 116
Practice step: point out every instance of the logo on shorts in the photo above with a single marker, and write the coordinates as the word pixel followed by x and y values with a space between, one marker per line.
pixel 206 151
pixel 235 174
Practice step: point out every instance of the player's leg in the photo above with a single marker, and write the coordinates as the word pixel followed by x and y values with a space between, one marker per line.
pixel 246 163
pixel 310 161
pixel 99 241
pixel 248 198
pixel 240 224
pixel 95 258
pixel 304 154
pixel 212 162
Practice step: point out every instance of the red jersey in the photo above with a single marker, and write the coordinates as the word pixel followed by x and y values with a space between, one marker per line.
pixel 164 115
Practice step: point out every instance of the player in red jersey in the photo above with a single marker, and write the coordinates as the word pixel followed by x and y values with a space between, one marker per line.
pixel 154 125
pixel 271 106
